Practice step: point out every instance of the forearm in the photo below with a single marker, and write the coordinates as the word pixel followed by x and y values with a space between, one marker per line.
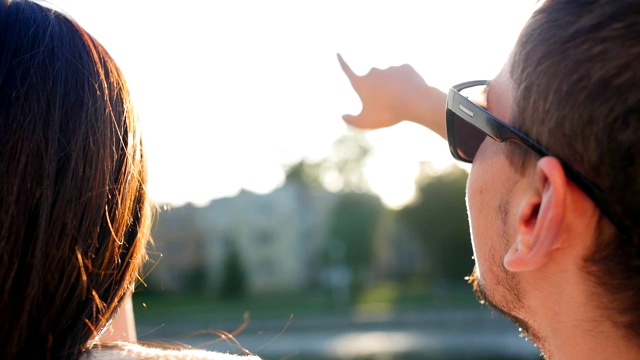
pixel 429 110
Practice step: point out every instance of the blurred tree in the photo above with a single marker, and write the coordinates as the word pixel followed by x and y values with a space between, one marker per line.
pixel 346 163
pixel 348 255
pixel 234 280
pixel 306 173
pixel 439 217
pixel 195 280
pixel 351 233
pixel 342 170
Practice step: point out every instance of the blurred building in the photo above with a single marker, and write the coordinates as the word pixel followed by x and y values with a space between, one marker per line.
pixel 278 237
pixel 178 260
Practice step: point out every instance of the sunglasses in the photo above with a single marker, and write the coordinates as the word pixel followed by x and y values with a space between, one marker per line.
pixel 469 124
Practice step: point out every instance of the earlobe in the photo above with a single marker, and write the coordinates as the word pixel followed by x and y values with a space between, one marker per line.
pixel 540 218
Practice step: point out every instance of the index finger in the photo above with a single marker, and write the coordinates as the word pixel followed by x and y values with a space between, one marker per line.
pixel 346 69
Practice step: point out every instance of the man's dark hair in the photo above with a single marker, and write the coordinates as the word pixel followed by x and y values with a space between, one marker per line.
pixel 576 76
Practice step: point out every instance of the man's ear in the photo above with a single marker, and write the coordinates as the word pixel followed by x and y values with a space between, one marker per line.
pixel 540 217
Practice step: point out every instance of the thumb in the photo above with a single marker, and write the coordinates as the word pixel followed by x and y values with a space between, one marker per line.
pixel 358 121
pixel 350 119
pixel 361 121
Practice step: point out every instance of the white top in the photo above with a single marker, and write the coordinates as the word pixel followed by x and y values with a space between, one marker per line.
pixel 131 351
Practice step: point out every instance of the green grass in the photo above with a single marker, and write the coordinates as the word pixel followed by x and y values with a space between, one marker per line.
pixel 192 307
pixel 384 297
pixel 203 311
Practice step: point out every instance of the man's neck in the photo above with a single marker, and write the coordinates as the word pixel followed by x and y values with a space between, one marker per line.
pixel 573 325
pixel 598 340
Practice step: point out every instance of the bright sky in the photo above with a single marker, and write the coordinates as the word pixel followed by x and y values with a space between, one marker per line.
pixel 228 91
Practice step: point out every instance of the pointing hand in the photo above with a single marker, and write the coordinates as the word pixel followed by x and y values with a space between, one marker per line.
pixel 392 95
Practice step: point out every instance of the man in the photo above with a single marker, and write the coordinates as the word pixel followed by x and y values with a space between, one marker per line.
pixel 553 194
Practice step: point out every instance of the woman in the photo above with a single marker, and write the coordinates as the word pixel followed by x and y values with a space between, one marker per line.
pixel 75 215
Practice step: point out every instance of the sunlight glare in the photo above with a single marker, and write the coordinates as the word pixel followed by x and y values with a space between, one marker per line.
pixel 231 91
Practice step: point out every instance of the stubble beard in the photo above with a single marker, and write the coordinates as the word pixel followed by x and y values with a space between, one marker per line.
pixel 505 296
pixel 508 304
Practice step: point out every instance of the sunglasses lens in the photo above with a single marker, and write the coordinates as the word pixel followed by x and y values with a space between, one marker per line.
pixel 467 138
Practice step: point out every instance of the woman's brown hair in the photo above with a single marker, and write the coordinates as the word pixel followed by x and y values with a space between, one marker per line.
pixel 74 215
